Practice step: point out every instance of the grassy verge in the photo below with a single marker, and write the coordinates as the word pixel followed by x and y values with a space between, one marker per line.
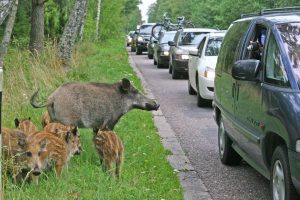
pixel 146 172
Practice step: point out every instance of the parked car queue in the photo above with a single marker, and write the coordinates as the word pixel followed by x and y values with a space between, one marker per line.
pixel 252 74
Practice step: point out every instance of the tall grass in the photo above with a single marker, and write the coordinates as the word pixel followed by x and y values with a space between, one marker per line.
pixel 146 173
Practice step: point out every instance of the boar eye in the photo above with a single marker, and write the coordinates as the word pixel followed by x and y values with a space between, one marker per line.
pixel 29 154
pixel 39 153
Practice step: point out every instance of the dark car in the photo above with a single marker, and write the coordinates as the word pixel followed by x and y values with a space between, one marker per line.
pixel 142 37
pixel 161 49
pixel 184 41
pixel 257 98
pixel 150 47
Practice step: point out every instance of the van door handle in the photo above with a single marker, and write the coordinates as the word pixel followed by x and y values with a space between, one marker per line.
pixel 237 92
pixel 233 89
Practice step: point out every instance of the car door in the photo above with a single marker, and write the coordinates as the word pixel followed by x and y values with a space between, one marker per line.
pixel 194 62
pixel 249 114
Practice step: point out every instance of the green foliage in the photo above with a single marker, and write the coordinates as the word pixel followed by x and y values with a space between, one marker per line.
pixel 212 13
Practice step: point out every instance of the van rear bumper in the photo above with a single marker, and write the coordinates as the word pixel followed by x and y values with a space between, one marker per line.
pixel 294 161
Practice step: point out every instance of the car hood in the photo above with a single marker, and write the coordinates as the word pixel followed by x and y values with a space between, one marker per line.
pixel 164 47
pixel 209 61
pixel 185 49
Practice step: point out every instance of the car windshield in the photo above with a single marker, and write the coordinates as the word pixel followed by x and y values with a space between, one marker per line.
pixel 213 46
pixel 167 37
pixel 290 34
pixel 191 38
pixel 146 29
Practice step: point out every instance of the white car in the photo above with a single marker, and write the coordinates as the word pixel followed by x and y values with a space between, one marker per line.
pixel 201 67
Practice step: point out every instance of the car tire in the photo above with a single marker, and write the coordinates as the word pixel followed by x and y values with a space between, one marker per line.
pixel 150 56
pixel 191 89
pixel 201 102
pixel 175 74
pixel 170 68
pixel 154 62
pixel 138 51
pixel 159 65
pixel 132 49
pixel 227 154
pixel 281 182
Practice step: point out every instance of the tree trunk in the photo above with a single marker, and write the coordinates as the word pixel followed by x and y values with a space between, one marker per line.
pixel 70 33
pixel 3 49
pixel 5 6
pixel 98 19
pixel 36 43
pixel 81 29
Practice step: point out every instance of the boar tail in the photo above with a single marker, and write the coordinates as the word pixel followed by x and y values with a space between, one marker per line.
pixel 33 101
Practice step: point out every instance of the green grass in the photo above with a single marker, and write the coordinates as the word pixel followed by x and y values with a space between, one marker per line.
pixel 146 173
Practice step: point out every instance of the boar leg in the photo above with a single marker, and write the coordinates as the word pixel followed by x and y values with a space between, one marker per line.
pixel 108 166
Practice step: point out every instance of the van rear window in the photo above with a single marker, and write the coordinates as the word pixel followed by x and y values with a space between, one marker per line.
pixel 230 46
pixel 290 34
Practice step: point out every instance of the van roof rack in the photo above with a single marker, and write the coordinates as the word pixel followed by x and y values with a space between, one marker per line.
pixel 273 11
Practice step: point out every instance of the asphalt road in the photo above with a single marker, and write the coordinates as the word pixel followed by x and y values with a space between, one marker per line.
pixel 197 133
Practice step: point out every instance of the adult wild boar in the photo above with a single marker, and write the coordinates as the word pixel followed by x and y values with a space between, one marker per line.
pixel 94 105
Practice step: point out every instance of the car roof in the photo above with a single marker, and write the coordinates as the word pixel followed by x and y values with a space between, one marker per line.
pixel 148 24
pixel 217 34
pixel 275 18
pixel 199 30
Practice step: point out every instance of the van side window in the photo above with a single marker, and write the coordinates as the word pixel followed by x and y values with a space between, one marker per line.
pixel 230 46
pixel 275 73
pixel 255 43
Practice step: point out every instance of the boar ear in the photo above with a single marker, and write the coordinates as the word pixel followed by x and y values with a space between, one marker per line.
pixel 125 84
pixel 67 137
pixel 17 122
pixel 43 144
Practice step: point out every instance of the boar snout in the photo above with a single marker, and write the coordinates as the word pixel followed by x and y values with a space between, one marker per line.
pixel 152 106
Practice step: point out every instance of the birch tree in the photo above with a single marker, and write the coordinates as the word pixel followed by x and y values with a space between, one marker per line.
pixel 81 27
pixel 98 19
pixel 36 43
pixel 5 7
pixel 11 12
pixel 70 33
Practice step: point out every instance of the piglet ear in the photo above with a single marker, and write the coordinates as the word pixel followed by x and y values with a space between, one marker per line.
pixel 125 84
pixel 17 122
pixel 43 144
pixel 67 137
pixel 22 142
pixel 74 130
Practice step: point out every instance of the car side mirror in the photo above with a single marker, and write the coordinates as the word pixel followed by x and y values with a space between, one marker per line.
pixel 136 32
pixel 193 52
pixel 155 42
pixel 246 70
pixel 171 43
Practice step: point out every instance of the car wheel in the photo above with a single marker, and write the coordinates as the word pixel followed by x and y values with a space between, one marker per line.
pixel 190 89
pixel 201 101
pixel 138 51
pixel 159 65
pixel 150 56
pixel 154 62
pixel 170 68
pixel 281 183
pixel 175 74
pixel 227 154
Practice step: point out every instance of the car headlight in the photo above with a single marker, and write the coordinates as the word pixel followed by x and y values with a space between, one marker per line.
pixel 140 39
pixel 298 146
pixel 182 57
pixel 164 53
pixel 209 73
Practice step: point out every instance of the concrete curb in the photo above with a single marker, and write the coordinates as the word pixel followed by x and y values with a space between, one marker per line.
pixel 193 187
